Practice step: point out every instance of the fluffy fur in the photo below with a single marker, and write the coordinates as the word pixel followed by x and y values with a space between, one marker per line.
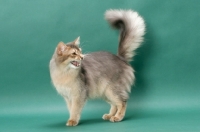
pixel 78 77
pixel 132 29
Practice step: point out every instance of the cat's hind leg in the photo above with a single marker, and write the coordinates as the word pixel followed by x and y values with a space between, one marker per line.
pixel 118 106
pixel 112 112
pixel 121 110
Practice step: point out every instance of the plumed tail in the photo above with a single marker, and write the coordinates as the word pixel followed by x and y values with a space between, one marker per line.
pixel 132 29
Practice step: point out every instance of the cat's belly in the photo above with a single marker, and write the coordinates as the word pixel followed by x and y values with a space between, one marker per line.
pixel 98 90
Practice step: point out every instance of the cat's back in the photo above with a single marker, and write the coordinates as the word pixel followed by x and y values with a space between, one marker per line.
pixel 105 64
pixel 103 60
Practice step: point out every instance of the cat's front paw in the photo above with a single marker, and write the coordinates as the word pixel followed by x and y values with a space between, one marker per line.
pixel 115 119
pixel 71 123
pixel 106 117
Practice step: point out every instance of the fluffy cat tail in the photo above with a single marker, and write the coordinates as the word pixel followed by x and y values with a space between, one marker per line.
pixel 132 29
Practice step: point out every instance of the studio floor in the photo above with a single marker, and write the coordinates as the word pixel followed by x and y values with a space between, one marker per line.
pixel 52 117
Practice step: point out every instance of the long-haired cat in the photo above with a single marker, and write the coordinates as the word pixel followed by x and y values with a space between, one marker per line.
pixel 78 77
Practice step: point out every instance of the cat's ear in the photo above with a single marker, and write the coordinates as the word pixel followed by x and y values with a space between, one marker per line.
pixel 77 41
pixel 60 48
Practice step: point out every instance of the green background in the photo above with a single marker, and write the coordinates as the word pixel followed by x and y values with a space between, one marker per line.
pixel 165 97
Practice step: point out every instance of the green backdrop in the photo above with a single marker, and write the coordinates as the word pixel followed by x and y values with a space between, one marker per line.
pixel 165 97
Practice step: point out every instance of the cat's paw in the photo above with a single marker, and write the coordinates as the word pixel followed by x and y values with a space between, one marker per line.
pixel 71 123
pixel 106 117
pixel 115 119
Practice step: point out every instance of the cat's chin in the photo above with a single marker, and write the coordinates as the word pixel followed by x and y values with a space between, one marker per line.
pixel 75 64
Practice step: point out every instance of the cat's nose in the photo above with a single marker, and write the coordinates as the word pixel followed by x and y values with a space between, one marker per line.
pixel 81 56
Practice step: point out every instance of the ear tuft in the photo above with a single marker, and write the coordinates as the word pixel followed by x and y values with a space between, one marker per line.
pixel 77 41
pixel 60 48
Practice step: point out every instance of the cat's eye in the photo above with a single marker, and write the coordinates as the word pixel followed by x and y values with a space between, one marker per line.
pixel 74 53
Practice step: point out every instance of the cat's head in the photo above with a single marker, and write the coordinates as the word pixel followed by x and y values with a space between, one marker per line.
pixel 69 54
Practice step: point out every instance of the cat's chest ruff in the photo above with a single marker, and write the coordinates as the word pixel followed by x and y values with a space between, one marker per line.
pixel 64 83
pixel 60 79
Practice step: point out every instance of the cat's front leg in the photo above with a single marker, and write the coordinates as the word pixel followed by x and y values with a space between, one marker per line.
pixel 68 102
pixel 77 104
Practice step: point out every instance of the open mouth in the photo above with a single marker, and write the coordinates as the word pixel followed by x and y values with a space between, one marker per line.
pixel 75 63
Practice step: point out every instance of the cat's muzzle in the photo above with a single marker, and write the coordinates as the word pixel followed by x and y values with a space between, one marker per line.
pixel 76 63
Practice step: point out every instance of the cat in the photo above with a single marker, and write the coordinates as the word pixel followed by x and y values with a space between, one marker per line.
pixel 78 77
